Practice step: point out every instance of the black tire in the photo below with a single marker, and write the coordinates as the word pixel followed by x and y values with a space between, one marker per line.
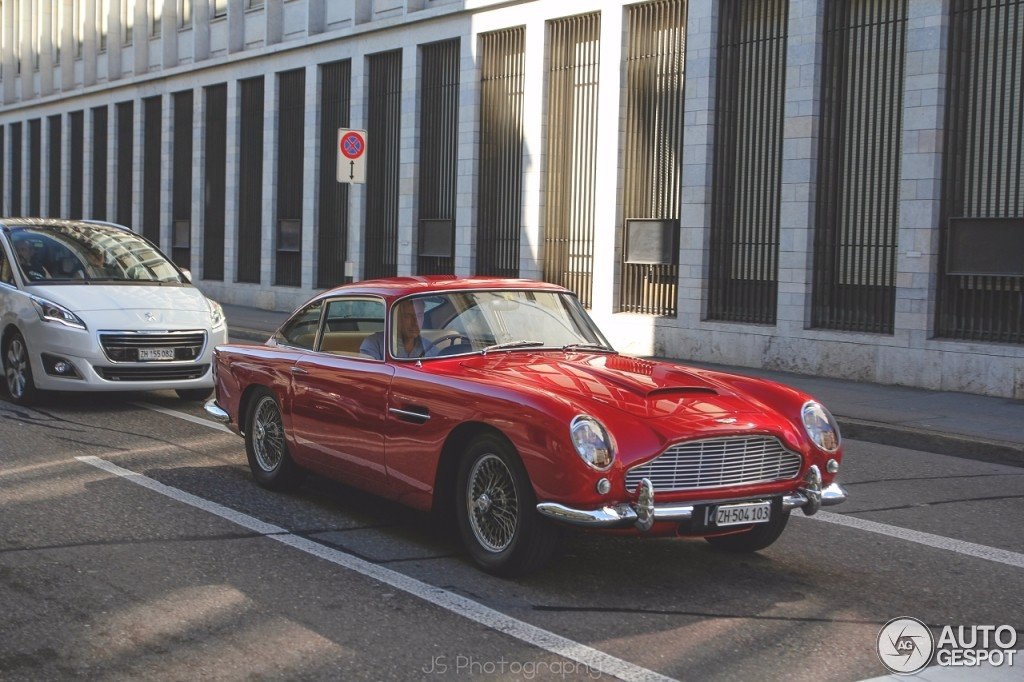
pixel 265 444
pixel 758 537
pixel 21 387
pixel 194 395
pixel 497 512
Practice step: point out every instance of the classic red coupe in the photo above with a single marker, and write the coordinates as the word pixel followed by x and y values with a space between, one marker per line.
pixel 500 400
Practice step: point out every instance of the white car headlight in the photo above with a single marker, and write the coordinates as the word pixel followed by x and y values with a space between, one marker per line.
pixel 216 313
pixel 51 312
pixel 821 427
pixel 593 444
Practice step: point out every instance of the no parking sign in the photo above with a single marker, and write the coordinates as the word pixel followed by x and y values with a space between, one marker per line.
pixel 351 155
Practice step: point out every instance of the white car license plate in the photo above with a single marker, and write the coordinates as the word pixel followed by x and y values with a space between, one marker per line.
pixel 743 514
pixel 156 354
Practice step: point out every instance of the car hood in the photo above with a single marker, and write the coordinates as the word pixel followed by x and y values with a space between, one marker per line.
pixel 136 297
pixel 642 388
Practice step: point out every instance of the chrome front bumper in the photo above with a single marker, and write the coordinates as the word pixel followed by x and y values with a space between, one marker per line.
pixel 216 411
pixel 644 513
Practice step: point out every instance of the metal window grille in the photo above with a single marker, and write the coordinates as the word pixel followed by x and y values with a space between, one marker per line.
pixel 652 154
pixel 570 201
pixel 16 155
pixel 215 184
pixel 859 166
pixel 34 166
pixel 439 147
pixel 181 195
pixel 125 145
pixel 54 171
pixel 99 163
pixel 291 98
pixel 983 175
pixel 383 130
pixel 500 192
pixel 151 162
pixel 332 227
pixel 76 182
pixel 250 180
pixel 751 81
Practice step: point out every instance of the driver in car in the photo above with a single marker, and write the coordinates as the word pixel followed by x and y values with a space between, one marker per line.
pixel 407 315
pixel 25 252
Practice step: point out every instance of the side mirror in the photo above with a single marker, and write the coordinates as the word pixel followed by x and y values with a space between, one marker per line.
pixel 188 274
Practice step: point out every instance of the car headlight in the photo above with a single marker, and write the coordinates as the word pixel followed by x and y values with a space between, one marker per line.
pixel 593 444
pixel 821 427
pixel 51 312
pixel 216 313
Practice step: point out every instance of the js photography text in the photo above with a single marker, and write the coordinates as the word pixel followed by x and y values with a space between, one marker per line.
pixel 461 664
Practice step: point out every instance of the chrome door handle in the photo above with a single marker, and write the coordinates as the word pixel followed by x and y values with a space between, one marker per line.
pixel 299 370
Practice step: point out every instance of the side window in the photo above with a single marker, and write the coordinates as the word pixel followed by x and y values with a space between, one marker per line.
pixel 354 325
pixel 6 273
pixel 300 331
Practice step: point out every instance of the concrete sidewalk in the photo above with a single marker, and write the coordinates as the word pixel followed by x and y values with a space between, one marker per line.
pixel 958 424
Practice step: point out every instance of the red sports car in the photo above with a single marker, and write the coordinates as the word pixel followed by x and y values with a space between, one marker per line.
pixel 500 400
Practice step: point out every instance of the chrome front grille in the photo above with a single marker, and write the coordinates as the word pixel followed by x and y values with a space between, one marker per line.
pixel 124 346
pixel 718 463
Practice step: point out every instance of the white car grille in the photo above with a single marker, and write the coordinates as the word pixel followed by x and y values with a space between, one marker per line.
pixel 124 346
pixel 717 463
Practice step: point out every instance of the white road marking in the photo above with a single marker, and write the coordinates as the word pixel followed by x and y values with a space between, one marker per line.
pixel 467 608
pixel 183 415
pixel 971 549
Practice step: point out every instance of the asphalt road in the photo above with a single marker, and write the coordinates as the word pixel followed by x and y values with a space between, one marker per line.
pixel 106 574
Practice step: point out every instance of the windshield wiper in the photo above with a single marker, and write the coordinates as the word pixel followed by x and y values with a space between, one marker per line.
pixel 512 344
pixel 589 346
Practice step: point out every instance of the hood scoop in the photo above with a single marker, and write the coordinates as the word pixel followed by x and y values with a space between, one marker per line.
pixel 671 391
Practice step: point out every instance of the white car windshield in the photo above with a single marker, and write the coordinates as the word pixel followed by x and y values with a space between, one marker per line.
pixel 491 321
pixel 79 253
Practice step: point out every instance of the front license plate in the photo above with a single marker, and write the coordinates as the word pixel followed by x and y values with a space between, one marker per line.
pixel 743 514
pixel 156 354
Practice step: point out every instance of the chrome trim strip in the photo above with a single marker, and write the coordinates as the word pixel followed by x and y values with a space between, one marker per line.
pixel 832 495
pixel 407 413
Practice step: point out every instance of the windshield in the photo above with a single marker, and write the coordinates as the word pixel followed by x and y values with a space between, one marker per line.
pixel 491 321
pixel 88 253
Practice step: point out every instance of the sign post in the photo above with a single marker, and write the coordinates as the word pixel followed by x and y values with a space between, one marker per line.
pixel 351 156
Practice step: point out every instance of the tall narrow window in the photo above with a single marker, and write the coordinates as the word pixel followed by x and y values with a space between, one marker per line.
pixel 215 177
pixel 125 152
pixel 332 227
pixel 383 130
pixel 99 163
pixel 76 182
pixel 652 156
pixel 570 200
pixel 16 143
pixel 151 162
pixel 250 180
pixel 751 85
pixel 127 21
pixel 291 138
pixel 439 152
pixel 102 21
pixel 77 27
pixel 34 164
pixel 54 170
pixel 156 18
pixel 181 193
pixel 220 8
pixel 981 265
pixel 184 13
pixel 56 24
pixel 859 166
pixel 500 189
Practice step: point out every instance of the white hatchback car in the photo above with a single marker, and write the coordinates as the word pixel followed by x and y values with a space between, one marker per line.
pixel 89 306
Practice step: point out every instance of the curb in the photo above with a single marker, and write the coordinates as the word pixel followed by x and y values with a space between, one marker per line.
pixel 954 445
pixel 243 334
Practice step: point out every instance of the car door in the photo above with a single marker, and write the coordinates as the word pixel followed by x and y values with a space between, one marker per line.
pixel 340 396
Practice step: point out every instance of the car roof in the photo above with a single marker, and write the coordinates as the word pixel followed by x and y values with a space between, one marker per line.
pixel 397 287
pixel 56 222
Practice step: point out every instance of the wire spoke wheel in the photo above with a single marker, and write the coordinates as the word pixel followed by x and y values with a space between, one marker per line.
pixel 493 503
pixel 268 435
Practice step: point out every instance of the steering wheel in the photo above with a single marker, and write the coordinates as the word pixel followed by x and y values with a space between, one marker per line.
pixel 434 348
